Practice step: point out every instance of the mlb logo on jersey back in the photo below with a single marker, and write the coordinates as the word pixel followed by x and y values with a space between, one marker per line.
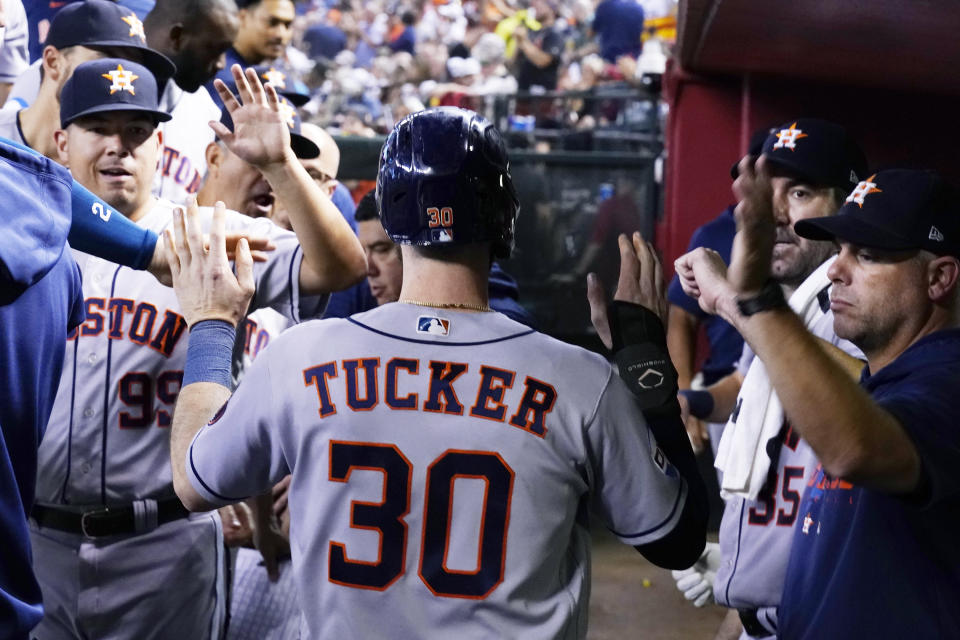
pixel 433 325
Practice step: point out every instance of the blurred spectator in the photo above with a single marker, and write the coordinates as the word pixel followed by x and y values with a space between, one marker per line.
pixel 324 40
pixel 265 31
pixel 403 35
pixel 618 25
pixel 490 51
pixel 538 52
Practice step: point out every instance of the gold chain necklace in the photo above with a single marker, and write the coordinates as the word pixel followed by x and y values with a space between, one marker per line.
pixel 447 305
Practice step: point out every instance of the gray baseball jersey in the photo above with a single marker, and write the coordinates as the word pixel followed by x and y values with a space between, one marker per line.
pixel 755 535
pixel 443 463
pixel 108 442
pixel 108 439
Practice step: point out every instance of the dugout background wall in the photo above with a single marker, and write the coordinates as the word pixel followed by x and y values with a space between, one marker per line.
pixel 886 70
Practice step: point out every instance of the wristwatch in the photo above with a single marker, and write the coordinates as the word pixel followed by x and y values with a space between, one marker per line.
pixel 770 297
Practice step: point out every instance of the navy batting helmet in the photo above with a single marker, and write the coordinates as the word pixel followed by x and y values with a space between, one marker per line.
pixel 444 179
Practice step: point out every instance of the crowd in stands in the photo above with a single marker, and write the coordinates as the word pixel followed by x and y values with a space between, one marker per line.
pixel 368 64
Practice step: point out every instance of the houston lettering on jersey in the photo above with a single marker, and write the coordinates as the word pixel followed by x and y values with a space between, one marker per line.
pixel 142 323
pixel 407 384
pixel 178 166
pixel 255 338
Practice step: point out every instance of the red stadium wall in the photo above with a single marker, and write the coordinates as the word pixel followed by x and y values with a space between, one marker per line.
pixel 711 119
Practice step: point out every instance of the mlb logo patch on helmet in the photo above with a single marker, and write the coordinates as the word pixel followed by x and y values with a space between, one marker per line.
pixel 433 325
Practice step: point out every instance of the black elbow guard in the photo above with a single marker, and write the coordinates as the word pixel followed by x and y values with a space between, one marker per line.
pixel 640 351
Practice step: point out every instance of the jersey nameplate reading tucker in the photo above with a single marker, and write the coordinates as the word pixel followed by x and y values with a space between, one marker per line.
pixel 409 384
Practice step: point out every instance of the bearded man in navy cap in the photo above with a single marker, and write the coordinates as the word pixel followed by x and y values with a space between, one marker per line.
pixel 813 164
pixel 116 554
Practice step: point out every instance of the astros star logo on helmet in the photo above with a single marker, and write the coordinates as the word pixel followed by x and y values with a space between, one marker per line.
pixel 787 138
pixel 277 78
pixel 136 26
pixel 121 80
pixel 862 190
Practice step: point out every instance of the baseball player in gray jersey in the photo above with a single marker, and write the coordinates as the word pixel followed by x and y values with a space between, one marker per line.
pixel 444 457
pixel 117 556
pixel 813 164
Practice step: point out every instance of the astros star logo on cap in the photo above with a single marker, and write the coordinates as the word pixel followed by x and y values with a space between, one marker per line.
pixel 787 138
pixel 121 80
pixel 136 26
pixel 862 190
pixel 287 112
pixel 277 78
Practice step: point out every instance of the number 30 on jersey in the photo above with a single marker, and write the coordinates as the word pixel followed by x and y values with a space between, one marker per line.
pixel 387 517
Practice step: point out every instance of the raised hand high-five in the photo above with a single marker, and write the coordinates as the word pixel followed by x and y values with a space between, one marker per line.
pixel 206 286
pixel 260 133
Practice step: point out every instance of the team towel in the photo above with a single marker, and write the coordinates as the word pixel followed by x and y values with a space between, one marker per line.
pixel 742 454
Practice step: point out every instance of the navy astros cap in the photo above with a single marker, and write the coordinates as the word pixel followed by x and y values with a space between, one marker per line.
pixel 817 150
pixel 100 23
pixel 110 84
pixel 285 82
pixel 898 209
pixel 303 147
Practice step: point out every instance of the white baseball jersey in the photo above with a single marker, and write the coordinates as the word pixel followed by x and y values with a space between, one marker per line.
pixel 185 137
pixel 443 464
pixel 10 123
pixel 755 535
pixel 108 440
pixel 14 56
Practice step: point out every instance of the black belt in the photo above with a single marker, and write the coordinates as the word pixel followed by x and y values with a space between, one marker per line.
pixel 108 521
pixel 751 624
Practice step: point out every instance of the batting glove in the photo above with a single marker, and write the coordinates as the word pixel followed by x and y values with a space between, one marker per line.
pixel 696 583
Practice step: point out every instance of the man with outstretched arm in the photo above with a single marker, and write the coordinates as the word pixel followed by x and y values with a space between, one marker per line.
pixel 487 441
pixel 874 551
